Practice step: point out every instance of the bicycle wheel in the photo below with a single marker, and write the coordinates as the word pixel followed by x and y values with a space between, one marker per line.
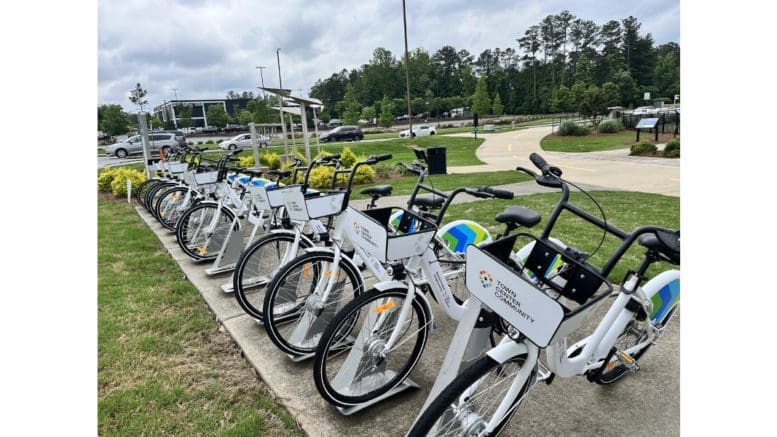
pixel 169 206
pixel 352 368
pixel 295 314
pixel 258 264
pixel 142 190
pixel 154 191
pixel 203 229
pixel 630 340
pixel 467 406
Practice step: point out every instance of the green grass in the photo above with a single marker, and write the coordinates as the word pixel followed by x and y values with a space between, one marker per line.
pixel 405 185
pixel 587 143
pixel 626 210
pixel 163 366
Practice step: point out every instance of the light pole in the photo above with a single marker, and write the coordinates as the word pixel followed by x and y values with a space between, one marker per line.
pixel 280 106
pixel 407 72
pixel 264 95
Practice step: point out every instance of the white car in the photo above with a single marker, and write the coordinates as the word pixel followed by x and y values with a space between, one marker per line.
pixel 645 110
pixel 242 141
pixel 421 130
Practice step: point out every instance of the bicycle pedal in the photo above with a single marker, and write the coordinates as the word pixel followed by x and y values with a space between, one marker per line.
pixel 627 361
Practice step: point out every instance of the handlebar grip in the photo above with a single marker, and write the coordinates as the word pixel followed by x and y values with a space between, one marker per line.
pixel 383 157
pixel 539 162
pixel 500 194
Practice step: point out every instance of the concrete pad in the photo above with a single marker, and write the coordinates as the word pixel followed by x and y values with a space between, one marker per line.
pixel 646 403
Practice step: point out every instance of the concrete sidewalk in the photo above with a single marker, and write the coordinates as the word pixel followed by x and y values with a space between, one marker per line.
pixel 647 403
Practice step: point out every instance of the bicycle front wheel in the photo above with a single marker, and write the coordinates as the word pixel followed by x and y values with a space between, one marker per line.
pixel 295 311
pixel 468 405
pixel 170 205
pixel 203 229
pixel 353 361
pixel 257 266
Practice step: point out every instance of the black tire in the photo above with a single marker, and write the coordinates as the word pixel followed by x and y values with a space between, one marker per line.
pixel 440 411
pixel 154 192
pixel 121 153
pixel 359 137
pixel 142 190
pixel 288 299
pixel 335 346
pixel 259 260
pixel 189 231
pixel 634 333
pixel 165 151
pixel 232 147
pixel 167 208
pixel 412 134
pixel 431 133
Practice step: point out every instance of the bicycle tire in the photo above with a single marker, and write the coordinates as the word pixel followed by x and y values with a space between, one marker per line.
pixel 189 231
pixel 291 321
pixel 332 347
pixel 448 414
pixel 252 269
pixel 142 189
pixel 168 206
pixel 634 333
pixel 154 191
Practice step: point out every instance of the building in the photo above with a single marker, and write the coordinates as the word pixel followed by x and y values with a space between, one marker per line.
pixel 170 110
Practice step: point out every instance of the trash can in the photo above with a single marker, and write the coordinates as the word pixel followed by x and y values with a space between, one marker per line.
pixel 437 160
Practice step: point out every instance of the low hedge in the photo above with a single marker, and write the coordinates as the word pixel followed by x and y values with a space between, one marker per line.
pixel 568 128
pixel 672 148
pixel 610 127
pixel 643 148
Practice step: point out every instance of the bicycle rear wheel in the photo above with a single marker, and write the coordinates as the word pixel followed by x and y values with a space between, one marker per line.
pixel 142 190
pixel 203 229
pixel 468 405
pixel 170 206
pixel 352 365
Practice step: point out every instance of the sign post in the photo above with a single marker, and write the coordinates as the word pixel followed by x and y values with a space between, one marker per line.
pixel 254 145
pixel 144 138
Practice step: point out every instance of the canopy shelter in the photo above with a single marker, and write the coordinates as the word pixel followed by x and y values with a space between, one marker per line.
pixel 281 93
pixel 303 103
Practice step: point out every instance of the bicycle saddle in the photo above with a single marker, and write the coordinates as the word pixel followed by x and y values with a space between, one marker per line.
pixel 665 243
pixel 518 215
pixel 279 173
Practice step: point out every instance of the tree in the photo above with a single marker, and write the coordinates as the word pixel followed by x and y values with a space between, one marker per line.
pixel 259 110
pixel 595 103
pixel 244 117
pixel 562 100
pixel 530 43
pixel 112 120
pixel 351 107
pixel 498 108
pixel 481 103
pixel 137 96
pixel 368 113
pixel 386 112
pixel 185 115
pixel 217 116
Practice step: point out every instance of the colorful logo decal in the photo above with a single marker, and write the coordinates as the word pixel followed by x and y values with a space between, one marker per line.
pixel 459 234
pixel 485 279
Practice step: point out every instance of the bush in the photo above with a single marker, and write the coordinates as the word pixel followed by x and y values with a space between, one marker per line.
pixel 105 178
pixel 348 158
pixel 209 142
pixel 119 183
pixel 572 128
pixel 270 159
pixel 610 127
pixel 246 161
pixel 384 171
pixel 321 177
pixel 364 175
pixel 199 143
pixel 672 149
pixel 643 148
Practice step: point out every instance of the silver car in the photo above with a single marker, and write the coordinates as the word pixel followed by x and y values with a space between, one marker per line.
pixel 164 141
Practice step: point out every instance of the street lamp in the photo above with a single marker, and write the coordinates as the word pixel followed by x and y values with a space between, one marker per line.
pixel 280 106
pixel 264 95
pixel 407 72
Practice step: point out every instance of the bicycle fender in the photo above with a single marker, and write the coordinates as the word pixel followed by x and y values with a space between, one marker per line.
pixel 503 352
pixel 664 291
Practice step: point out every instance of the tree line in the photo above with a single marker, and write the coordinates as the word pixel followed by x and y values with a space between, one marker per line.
pixel 557 65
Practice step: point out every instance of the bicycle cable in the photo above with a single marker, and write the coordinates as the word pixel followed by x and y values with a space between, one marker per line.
pixel 604 217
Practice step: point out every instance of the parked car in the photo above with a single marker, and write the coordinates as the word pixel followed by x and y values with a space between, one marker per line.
pixel 297 126
pixel 164 141
pixel 645 110
pixel 343 133
pixel 242 141
pixel 421 130
pixel 335 122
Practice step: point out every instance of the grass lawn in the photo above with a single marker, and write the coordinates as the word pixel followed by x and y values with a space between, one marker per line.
pixel 405 185
pixel 164 366
pixel 588 143
pixel 625 210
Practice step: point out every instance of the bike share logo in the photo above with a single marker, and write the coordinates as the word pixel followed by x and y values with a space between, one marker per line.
pixel 485 279
pixel 363 233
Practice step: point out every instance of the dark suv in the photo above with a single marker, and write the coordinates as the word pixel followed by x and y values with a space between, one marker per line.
pixel 343 133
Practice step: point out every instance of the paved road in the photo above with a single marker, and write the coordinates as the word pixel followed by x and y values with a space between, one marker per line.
pixel 613 168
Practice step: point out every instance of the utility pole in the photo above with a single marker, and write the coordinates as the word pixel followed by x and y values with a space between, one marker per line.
pixel 175 91
pixel 264 94
pixel 407 72
pixel 280 106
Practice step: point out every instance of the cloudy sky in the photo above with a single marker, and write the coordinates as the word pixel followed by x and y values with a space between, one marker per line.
pixel 205 48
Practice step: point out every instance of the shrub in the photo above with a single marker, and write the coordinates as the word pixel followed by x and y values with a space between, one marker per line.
pixel 270 159
pixel 384 171
pixel 610 127
pixel 191 143
pixel 209 142
pixel 119 183
pixel 348 158
pixel 572 128
pixel 321 177
pixel 643 148
pixel 672 148
pixel 246 161
pixel 105 178
pixel 199 143
pixel 364 175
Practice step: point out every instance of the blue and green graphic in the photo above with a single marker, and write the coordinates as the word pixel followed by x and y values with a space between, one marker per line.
pixel 664 300
pixel 458 234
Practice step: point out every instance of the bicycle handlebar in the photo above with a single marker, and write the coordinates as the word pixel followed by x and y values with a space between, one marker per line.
pixel 543 165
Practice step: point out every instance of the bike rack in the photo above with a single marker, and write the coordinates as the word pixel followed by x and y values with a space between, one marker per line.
pixel 404 385
pixel 226 261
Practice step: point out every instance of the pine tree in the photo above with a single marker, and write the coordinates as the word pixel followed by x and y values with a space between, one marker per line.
pixel 481 103
pixel 498 109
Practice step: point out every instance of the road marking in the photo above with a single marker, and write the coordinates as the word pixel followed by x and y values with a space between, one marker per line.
pixel 510 147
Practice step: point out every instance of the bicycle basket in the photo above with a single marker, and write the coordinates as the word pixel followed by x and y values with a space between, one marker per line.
pixel 372 231
pixel 206 177
pixel 529 304
pixel 304 207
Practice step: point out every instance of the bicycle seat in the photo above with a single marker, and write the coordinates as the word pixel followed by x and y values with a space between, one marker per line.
pixel 667 245
pixel 377 191
pixel 429 201
pixel 279 173
pixel 518 215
